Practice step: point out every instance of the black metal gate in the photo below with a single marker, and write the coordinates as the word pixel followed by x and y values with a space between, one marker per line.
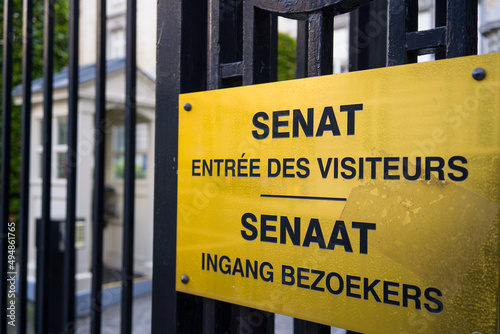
pixel 226 43
pixel 201 45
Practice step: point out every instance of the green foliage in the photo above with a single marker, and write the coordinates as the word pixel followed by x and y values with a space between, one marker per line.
pixel 60 60
pixel 286 57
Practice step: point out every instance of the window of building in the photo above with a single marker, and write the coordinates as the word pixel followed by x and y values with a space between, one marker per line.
pixel 61 147
pixel 59 151
pixel 117 44
pixel 141 157
pixel 39 148
pixel 115 2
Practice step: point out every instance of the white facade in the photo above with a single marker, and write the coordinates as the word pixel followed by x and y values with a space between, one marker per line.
pixel 115 97
pixel 116 25
pixel 489 26
pixel 85 171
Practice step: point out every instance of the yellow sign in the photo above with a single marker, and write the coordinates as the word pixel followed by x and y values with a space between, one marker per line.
pixel 367 201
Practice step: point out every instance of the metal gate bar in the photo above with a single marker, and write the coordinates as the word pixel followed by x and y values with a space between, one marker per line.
pixel 42 299
pixel 129 177
pixel 99 151
pixel 320 43
pixel 25 162
pixel 69 255
pixel 6 156
pixel 168 86
pixel 455 34
pixel 367 46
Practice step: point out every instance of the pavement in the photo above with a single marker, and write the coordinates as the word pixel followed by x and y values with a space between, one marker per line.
pixel 141 322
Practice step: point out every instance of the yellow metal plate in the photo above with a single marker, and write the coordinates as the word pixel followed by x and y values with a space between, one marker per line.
pixel 367 201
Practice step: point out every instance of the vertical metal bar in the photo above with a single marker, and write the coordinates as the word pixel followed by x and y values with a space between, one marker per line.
pixel 231 28
pixel 168 84
pixel 462 28
pixel 215 316
pixel 358 40
pixel 265 47
pixel 440 21
pixel 193 77
pixel 320 40
pixel 213 61
pixel 368 36
pixel 209 317
pixel 248 42
pixel 129 176
pixel 48 66
pixel 396 33
pixel 260 45
pixel 194 46
pixel 440 9
pixel 99 151
pixel 69 255
pixel 378 41
pixel 189 313
pixel 411 25
pixel 25 162
pixel 302 42
pixel 6 158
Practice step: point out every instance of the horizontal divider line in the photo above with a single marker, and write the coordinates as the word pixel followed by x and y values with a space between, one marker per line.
pixel 306 197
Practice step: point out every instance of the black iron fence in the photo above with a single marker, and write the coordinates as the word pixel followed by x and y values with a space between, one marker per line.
pixel 201 45
pixel 47 318
pixel 226 43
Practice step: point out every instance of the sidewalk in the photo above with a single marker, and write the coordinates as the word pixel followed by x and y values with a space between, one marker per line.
pixel 111 318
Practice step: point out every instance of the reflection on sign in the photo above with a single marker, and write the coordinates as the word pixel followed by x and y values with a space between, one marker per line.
pixel 367 201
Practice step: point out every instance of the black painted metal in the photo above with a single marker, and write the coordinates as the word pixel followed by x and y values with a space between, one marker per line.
pixel 25 164
pixel 214 67
pixel 320 43
pixel 421 40
pixel 461 28
pixel 299 7
pixel 301 52
pixel 48 246
pixel 42 286
pixel 368 36
pixel 168 87
pixel 6 158
pixel 440 21
pixel 69 255
pixel 99 151
pixel 455 34
pixel 129 177
pixel 260 45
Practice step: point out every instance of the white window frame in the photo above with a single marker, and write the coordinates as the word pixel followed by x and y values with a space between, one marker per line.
pixel 57 148
pixel 120 152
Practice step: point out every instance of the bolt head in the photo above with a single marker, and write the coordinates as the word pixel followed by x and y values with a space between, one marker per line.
pixel 187 106
pixel 184 279
pixel 479 74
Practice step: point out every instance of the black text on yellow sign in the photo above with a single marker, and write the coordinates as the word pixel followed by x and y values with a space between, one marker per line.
pixel 370 197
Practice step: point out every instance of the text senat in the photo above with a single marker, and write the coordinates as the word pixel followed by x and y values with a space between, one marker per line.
pixel 303 125
pixel 269 224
